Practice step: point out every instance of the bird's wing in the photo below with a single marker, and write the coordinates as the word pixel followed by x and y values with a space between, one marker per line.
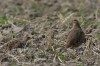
pixel 73 36
pixel 82 37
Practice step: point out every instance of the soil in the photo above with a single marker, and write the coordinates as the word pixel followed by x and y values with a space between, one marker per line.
pixel 46 24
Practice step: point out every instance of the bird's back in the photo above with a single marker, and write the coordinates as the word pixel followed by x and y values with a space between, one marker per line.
pixel 74 37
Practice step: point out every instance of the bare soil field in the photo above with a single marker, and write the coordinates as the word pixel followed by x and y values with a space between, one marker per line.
pixel 34 32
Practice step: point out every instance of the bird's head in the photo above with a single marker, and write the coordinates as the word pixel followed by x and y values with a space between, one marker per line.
pixel 76 23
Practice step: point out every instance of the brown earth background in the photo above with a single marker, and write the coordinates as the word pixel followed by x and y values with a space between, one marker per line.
pixel 42 19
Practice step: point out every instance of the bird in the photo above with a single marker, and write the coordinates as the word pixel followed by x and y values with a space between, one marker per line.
pixel 13 43
pixel 76 36
pixel 16 43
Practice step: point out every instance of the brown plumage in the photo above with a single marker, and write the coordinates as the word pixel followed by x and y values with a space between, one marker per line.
pixel 75 36
pixel 16 43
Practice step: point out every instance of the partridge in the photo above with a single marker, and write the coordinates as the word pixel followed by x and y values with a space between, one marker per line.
pixel 75 36
pixel 16 43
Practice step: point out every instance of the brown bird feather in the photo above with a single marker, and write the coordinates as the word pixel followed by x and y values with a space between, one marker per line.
pixel 16 43
pixel 76 36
